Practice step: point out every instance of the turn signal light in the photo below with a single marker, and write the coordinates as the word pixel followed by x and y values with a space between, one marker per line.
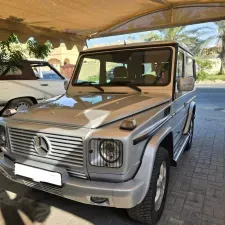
pixel 128 124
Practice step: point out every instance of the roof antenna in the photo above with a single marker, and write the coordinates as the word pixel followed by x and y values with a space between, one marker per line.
pixel 125 42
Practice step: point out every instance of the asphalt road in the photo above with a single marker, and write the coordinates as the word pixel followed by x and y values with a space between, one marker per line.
pixel 211 101
pixel 43 208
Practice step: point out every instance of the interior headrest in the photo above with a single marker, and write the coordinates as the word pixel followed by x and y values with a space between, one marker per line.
pixel 120 72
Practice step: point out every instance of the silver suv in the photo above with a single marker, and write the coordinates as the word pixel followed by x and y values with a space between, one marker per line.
pixel 110 140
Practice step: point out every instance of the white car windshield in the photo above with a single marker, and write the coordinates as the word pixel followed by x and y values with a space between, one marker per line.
pixel 136 67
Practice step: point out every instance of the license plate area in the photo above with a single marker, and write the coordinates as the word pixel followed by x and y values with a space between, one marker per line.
pixel 38 175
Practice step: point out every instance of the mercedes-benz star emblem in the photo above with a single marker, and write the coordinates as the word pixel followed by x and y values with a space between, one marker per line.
pixel 41 145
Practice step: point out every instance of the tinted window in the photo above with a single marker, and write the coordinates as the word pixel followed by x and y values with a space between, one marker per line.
pixel 12 71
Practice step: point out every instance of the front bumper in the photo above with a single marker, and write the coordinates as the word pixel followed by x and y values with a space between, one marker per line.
pixel 118 195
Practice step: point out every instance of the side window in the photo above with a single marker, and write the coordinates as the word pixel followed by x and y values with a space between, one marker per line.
pixel 43 72
pixel 179 72
pixel 14 71
pixel 189 67
pixel 180 65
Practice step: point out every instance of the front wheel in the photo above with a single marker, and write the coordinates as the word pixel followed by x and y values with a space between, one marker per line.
pixel 150 209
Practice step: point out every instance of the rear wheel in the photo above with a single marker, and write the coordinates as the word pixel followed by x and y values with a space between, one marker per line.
pixel 150 209
pixel 20 104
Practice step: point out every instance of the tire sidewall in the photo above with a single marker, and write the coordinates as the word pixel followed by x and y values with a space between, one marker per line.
pixel 165 157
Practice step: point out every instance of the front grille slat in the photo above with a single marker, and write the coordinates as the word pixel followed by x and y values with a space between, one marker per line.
pixel 66 150
pixel 60 141
pixel 72 153
pixel 72 149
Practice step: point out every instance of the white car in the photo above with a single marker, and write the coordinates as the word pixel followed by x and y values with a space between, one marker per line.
pixel 28 83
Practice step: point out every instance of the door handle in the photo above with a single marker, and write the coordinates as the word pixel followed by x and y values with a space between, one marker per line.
pixel 44 84
pixel 185 104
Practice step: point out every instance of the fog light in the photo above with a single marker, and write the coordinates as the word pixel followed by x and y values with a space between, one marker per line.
pixel 98 200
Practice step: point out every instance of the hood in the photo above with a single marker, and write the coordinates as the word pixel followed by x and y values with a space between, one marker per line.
pixel 90 110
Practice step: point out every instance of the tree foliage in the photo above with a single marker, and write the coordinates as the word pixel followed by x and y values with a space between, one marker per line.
pixel 13 52
pixel 188 37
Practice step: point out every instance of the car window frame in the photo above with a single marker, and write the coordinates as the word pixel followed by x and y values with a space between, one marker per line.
pixel 149 48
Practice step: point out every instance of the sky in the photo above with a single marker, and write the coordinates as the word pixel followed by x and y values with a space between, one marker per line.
pixel 121 38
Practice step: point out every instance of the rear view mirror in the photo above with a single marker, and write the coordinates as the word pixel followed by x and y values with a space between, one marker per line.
pixel 66 84
pixel 185 84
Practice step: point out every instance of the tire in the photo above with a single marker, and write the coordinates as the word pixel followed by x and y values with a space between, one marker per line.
pixel 148 211
pixel 20 104
pixel 191 133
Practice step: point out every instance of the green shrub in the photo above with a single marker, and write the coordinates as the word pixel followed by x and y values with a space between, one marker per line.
pixel 202 75
pixel 93 78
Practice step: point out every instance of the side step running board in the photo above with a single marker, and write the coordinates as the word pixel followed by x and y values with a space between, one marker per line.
pixel 180 147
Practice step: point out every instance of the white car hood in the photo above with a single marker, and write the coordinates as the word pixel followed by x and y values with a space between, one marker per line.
pixel 90 110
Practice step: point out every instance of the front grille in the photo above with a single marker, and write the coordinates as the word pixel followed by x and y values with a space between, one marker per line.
pixel 65 150
pixel 44 187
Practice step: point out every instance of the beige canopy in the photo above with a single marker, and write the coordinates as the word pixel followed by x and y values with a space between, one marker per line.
pixel 74 21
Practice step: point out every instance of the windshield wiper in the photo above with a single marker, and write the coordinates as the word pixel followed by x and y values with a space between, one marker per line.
pixel 90 83
pixel 128 84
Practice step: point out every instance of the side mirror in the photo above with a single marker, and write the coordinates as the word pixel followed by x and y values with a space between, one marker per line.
pixel 66 84
pixel 185 84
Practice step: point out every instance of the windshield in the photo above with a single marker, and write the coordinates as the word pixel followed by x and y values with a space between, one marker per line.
pixel 138 67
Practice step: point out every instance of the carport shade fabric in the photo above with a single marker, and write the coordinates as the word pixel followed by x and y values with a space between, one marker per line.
pixel 73 21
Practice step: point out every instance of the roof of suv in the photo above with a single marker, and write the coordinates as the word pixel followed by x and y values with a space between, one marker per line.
pixel 136 45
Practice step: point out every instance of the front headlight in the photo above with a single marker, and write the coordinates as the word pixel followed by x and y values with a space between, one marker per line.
pixel 110 151
pixel 2 136
pixel 106 153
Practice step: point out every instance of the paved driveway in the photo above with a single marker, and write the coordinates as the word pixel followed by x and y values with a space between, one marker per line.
pixel 196 189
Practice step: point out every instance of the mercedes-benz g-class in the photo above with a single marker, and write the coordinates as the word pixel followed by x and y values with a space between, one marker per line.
pixel 110 140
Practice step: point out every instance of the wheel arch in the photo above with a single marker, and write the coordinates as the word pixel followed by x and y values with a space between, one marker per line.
pixel 33 99
pixel 167 143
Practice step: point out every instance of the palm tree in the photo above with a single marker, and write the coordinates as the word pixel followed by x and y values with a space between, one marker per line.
pixel 188 37
pixel 220 38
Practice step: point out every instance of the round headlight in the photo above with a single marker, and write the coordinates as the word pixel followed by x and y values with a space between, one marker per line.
pixel 110 151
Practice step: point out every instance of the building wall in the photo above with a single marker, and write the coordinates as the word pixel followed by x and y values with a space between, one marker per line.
pixel 63 60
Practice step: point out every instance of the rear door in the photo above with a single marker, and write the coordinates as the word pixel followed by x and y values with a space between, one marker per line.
pixel 50 81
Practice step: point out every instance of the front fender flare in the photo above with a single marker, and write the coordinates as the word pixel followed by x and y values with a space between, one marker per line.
pixel 148 159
